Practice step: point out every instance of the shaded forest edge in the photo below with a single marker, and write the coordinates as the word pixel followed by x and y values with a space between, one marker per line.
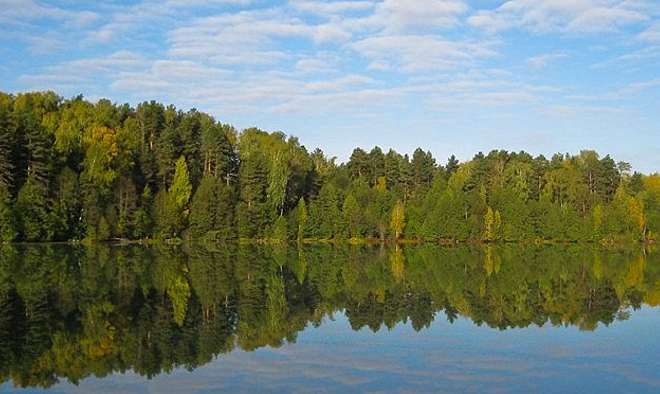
pixel 71 170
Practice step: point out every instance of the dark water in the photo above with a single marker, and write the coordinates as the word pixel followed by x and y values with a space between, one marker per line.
pixel 135 319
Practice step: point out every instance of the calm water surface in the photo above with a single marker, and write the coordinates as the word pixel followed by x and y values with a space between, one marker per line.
pixel 135 319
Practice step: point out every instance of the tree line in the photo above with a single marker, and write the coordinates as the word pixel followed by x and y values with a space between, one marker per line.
pixel 68 311
pixel 75 170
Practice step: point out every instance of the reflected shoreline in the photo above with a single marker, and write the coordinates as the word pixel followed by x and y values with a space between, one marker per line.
pixel 69 311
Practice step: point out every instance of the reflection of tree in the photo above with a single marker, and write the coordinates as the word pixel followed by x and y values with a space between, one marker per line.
pixel 70 312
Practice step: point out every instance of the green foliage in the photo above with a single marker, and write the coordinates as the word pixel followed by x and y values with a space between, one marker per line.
pixel 142 219
pixel 301 218
pixel 280 231
pixel 9 226
pixel 211 211
pixel 179 293
pixel 398 220
pixel 181 189
pixel 352 217
pixel 69 312
pixel 70 169
pixel 7 141
pixel 166 215
pixel 31 206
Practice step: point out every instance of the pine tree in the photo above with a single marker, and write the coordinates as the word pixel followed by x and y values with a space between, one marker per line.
pixel 202 208
pixel 253 176
pixel 8 221
pixel 423 168
pixel 278 178
pixel 6 147
pixel 225 217
pixel 279 232
pixel 358 164
pixel 31 207
pixel 352 215
pixel 166 216
pixel 302 218
pixel 142 220
pixel 452 166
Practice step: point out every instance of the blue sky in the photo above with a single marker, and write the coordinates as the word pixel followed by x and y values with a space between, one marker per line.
pixel 452 76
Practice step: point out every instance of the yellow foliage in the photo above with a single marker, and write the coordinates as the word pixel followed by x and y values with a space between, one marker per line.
pixel 99 347
pixel 397 264
pixel 380 296
pixel 652 298
pixel 106 138
pixel 652 184
pixel 636 212
pixel 636 272
pixel 381 186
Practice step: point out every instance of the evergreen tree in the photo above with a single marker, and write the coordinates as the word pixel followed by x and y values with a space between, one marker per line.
pixel 8 221
pixel 302 218
pixel 6 148
pixel 166 215
pixel 358 164
pixel 202 209
pixel 142 220
pixel 32 210
pixel 452 165
pixel 70 169
pixel 423 168
pixel 377 165
pixel 352 217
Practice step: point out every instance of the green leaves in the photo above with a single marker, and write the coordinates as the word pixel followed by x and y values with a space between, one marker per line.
pixel 398 220
pixel 71 169
pixel 181 189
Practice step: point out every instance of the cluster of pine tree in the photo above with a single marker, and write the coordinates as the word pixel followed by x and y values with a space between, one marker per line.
pixel 73 170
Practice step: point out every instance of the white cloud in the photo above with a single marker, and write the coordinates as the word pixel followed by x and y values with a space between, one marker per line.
pixel 652 34
pixel 127 19
pixel 340 83
pixel 419 15
pixel 107 66
pixel 419 53
pixel 583 16
pixel 355 101
pixel 318 65
pixel 329 33
pixel 30 10
pixel 575 110
pixel 249 37
pixel 72 76
pixel 409 17
pixel 647 55
pixel 621 93
pixel 379 65
pixel 325 8
pixel 543 60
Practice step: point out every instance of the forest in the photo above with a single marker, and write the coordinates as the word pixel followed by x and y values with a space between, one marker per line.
pixel 72 170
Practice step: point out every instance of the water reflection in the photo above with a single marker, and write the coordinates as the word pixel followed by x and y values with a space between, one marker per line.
pixel 71 312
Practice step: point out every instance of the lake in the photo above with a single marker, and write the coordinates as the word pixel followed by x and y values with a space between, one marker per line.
pixel 324 318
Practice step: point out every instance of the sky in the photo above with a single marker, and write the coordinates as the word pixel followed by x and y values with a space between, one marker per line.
pixel 450 76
